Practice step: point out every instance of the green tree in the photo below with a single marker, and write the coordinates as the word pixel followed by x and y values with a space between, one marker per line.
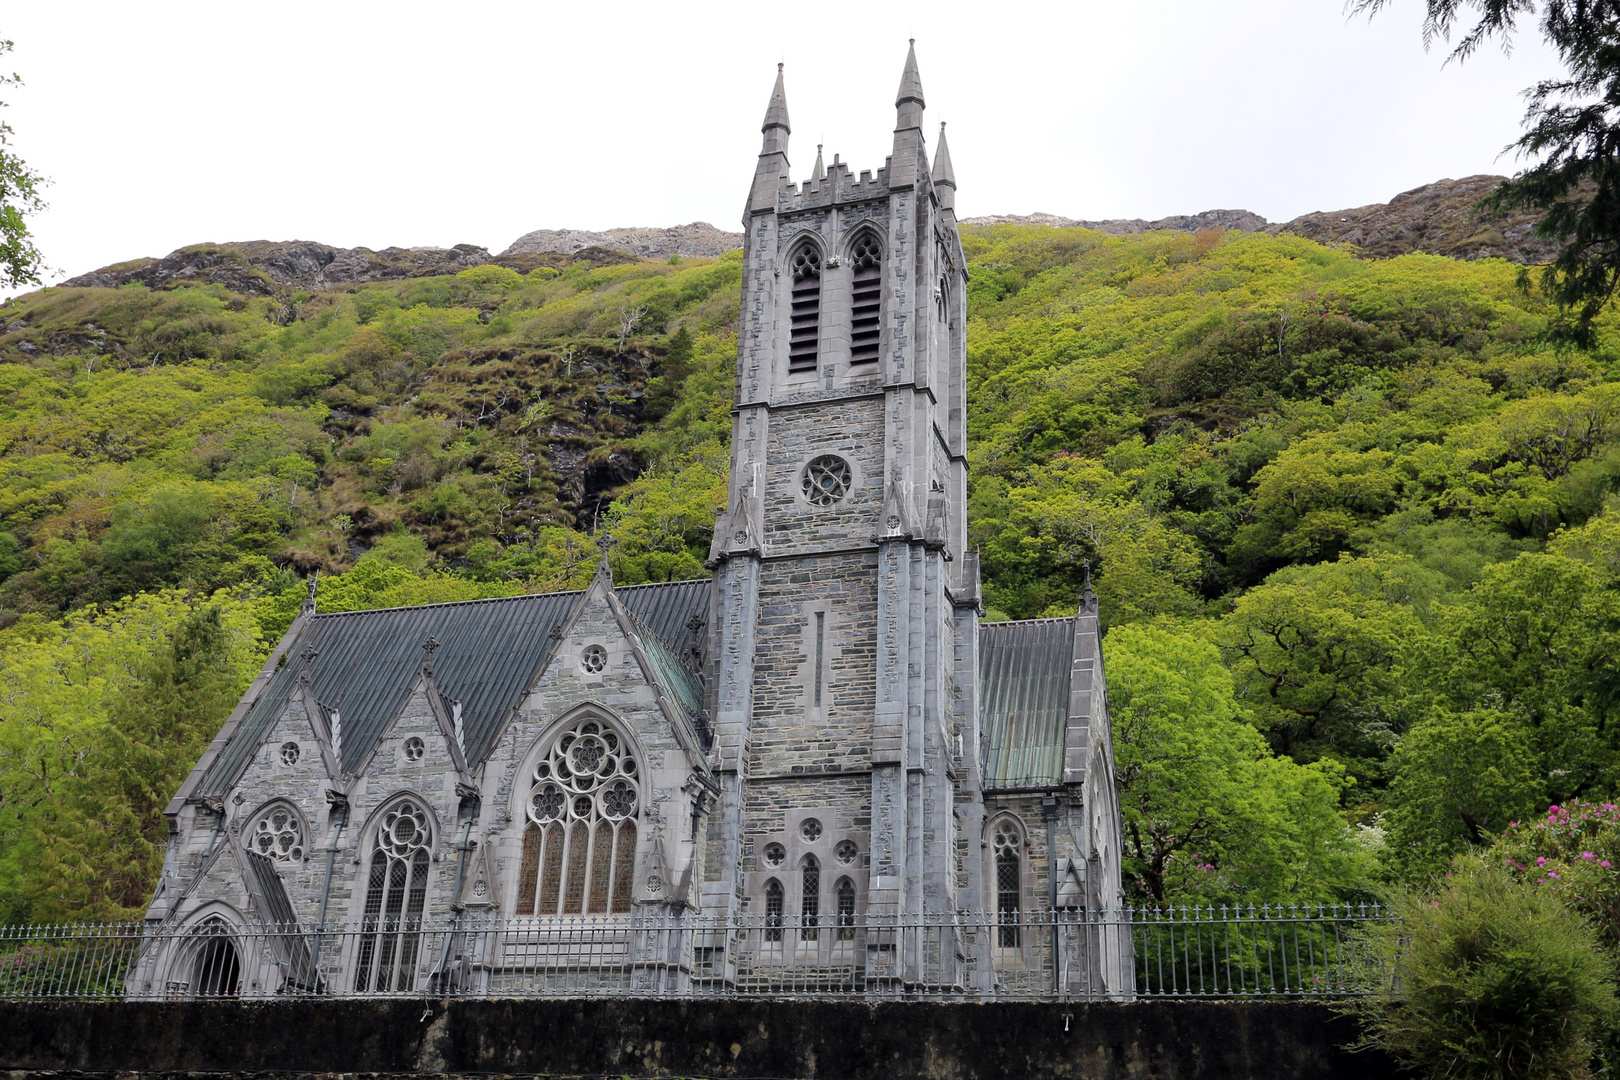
pixel 20 261
pixel 1208 812
pixel 1459 780
pixel 101 842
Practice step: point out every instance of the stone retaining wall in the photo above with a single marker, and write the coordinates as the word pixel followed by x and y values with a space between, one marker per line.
pixel 754 1039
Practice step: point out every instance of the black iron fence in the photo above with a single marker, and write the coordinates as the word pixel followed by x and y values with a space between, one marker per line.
pixel 1305 951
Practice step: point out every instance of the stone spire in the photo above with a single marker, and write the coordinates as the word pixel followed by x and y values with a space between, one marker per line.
pixel 944 176
pixel 819 172
pixel 772 171
pixel 776 127
pixel 909 101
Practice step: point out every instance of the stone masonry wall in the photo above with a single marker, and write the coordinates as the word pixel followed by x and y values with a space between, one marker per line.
pixel 806 1039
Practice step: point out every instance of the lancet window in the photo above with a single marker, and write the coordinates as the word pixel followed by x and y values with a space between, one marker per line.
pixel 844 893
pixel 396 893
pixel 580 844
pixel 866 300
pixel 804 335
pixel 810 897
pixel 773 910
pixel 1008 845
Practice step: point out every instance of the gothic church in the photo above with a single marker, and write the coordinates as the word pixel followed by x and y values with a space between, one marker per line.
pixel 823 733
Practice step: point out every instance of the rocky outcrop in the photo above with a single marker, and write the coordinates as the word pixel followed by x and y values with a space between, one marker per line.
pixel 1442 218
pixel 266 268
pixel 697 240
pixel 1210 219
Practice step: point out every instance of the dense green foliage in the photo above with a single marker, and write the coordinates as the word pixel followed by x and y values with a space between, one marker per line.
pixel 1491 978
pixel 1352 522
pixel 20 260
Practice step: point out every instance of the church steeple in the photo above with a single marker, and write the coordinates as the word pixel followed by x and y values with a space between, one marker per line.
pixel 772 170
pixel 909 101
pixel 944 175
pixel 776 127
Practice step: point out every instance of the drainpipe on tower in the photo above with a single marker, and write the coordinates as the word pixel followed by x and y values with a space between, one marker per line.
pixel 1049 804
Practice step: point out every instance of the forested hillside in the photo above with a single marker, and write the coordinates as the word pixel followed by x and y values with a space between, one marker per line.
pixel 1352 522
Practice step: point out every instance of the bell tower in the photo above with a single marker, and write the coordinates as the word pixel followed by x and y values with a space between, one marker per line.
pixel 845 621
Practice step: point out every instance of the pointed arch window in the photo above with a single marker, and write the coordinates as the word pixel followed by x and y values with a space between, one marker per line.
pixel 580 844
pixel 1008 844
pixel 804 335
pixel 396 893
pixel 810 898
pixel 844 894
pixel 215 965
pixel 773 910
pixel 866 300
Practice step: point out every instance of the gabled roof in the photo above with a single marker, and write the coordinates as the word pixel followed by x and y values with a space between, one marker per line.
pixel 1024 675
pixel 489 652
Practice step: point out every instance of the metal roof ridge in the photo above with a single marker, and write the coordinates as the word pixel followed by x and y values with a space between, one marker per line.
pixel 498 599
pixel 1028 622
pixel 448 603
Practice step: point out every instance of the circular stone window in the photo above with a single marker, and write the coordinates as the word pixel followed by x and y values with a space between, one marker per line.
pixel 826 480
pixel 414 749
pixel 846 851
pixel 810 829
pixel 593 659
pixel 289 754
pixel 775 854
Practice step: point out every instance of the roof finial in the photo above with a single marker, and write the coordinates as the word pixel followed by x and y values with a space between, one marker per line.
pixel 818 173
pixel 428 645
pixel 308 607
pixel 308 657
pixel 604 572
pixel 1088 599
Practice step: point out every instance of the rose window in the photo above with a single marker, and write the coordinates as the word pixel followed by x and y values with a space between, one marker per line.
pixel 414 749
pixel 404 830
pixel 594 659
pixel 579 847
pixel 826 480
pixel 289 754
pixel 279 834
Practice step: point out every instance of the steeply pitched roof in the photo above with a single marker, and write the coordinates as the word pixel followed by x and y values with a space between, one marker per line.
pixel 1024 670
pixel 488 653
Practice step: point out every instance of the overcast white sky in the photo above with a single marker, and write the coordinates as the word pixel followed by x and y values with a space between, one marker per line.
pixel 165 123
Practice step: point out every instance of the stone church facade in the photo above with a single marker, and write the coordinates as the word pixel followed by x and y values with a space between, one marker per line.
pixel 822 736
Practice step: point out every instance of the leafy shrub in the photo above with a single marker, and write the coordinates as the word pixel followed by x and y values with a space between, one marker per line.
pixel 1574 853
pixel 1491 978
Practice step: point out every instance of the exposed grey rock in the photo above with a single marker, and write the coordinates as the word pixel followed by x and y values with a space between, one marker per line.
pixel 699 240
pixel 1210 219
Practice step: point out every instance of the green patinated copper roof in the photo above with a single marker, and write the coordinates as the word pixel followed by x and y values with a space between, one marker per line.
pixel 1024 700
pixel 488 653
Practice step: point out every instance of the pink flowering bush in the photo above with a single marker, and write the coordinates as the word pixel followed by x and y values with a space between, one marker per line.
pixel 1574 852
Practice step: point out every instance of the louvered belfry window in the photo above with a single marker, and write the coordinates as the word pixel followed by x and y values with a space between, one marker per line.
pixel 866 301
pixel 580 844
pixel 804 339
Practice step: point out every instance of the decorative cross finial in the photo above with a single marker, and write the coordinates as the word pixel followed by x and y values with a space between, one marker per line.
pixel 604 542
pixel 429 645
pixel 308 655
pixel 308 607
pixel 1086 565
